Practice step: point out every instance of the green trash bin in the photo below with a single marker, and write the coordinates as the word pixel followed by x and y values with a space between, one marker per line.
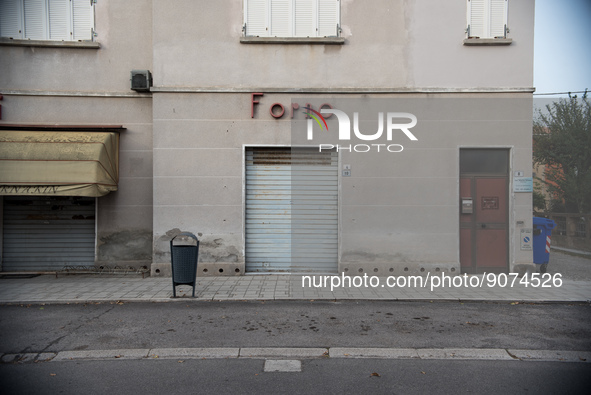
pixel 184 262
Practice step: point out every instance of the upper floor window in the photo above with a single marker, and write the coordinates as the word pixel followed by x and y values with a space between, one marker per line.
pixel 487 19
pixel 291 18
pixel 56 20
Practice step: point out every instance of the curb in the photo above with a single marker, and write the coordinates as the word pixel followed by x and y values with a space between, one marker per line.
pixel 491 354
pixel 198 300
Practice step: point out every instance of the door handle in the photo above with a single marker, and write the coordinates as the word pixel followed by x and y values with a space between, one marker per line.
pixel 483 226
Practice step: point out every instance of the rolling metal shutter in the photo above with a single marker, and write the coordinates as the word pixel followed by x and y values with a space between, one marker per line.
pixel 291 210
pixel 47 233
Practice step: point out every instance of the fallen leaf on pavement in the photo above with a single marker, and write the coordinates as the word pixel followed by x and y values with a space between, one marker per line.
pixel 374 374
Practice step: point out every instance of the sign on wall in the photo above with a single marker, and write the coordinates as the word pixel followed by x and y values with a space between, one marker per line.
pixel 523 184
pixel 526 240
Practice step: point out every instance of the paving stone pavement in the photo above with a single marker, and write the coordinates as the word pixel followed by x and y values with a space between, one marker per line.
pixel 132 287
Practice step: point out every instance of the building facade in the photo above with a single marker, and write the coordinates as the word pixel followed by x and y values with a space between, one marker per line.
pixel 242 137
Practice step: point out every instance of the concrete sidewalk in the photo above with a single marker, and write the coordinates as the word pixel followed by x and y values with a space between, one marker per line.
pixel 132 287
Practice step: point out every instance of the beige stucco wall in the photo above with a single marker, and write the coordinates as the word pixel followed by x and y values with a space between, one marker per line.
pixel 438 58
pixel 397 46
pixel 197 44
pixel 124 32
pixel 397 210
pixel 182 153
pixel 391 44
pixel 78 86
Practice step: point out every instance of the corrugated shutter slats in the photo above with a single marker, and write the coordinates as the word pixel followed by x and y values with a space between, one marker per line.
pixel 59 20
pixel 56 20
pixel 477 18
pixel 291 210
pixel 487 18
pixel 11 19
pixel 83 20
pixel 497 18
pixel 328 12
pixel 280 18
pixel 291 18
pixel 47 233
pixel 35 20
pixel 256 18
pixel 305 25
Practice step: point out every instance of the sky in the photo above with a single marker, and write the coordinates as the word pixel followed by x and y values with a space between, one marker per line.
pixel 562 46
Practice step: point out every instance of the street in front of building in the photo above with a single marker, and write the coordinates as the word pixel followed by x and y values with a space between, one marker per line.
pixel 333 347
pixel 378 376
pixel 293 345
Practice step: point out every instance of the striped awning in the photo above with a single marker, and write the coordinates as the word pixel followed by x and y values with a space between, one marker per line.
pixel 58 162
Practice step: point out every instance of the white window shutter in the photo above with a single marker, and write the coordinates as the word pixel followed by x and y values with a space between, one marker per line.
pixel 498 18
pixel 35 20
pixel 82 20
pixel 281 16
pixel 292 18
pixel 305 20
pixel 59 20
pixel 256 17
pixel 328 18
pixel 477 18
pixel 11 18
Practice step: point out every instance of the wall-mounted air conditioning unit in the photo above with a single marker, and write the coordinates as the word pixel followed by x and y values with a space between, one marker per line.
pixel 141 80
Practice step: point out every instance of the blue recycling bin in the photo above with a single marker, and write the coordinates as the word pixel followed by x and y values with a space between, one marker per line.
pixel 542 232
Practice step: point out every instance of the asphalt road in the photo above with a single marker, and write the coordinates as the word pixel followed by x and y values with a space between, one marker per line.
pixel 318 376
pixel 54 328
pixel 109 326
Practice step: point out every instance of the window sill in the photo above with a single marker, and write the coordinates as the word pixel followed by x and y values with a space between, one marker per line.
pixel 488 41
pixel 293 40
pixel 49 44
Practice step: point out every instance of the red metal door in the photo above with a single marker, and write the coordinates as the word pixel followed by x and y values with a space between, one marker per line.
pixel 484 231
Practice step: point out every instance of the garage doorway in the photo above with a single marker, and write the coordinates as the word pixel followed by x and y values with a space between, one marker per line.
pixel 291 210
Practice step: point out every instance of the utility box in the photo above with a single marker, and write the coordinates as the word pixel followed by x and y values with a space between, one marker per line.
pixel 141 80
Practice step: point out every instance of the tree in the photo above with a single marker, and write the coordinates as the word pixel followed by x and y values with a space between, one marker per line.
pixel 539 201
pixel 562 142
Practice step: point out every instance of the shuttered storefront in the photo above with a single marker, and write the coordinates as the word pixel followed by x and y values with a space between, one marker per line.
pixel 47 233
pixel 291 210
